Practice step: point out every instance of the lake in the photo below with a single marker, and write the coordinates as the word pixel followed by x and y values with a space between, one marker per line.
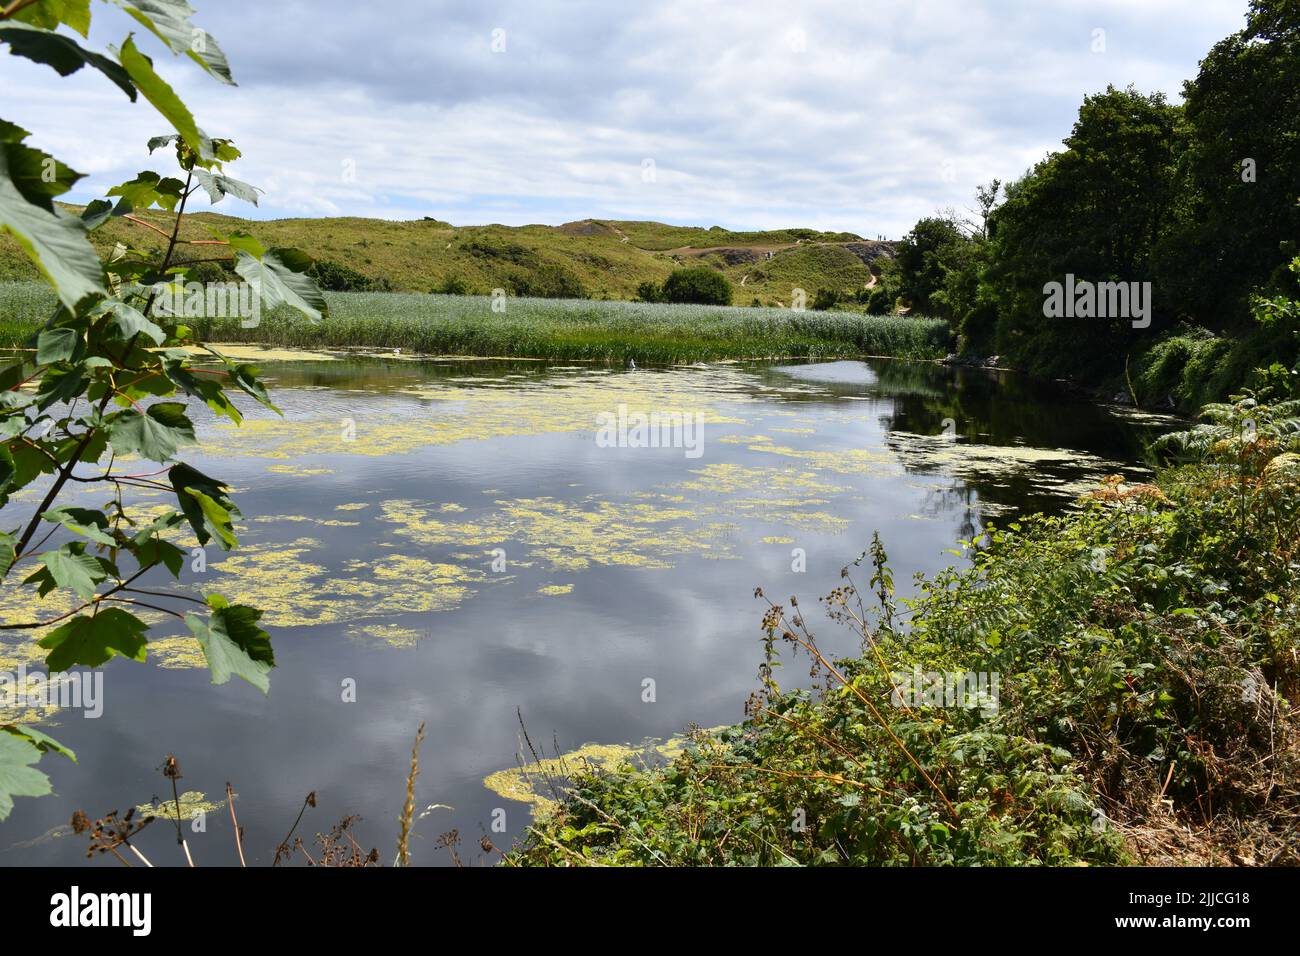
pixel 456 543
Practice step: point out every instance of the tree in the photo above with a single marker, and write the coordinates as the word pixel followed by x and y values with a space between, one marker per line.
pixel 1096 210
pixel 99 381
pixel 921 259
pixel 1238 180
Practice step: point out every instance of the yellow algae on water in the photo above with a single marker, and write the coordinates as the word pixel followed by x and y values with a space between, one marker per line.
pixel 305 519
pixel 355 506
pixel 570 535
pixel 177 653
pixel 522 406
pixel 393 635
pixel 259 353
pixel 534 783
pixel 778 539
pixel 192 803
pixel 299 470
pixel 556 589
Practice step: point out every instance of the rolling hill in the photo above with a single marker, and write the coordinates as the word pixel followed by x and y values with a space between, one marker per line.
pixel 603 259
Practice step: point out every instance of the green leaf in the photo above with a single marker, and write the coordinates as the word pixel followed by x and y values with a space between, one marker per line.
pixel 155 435
pixel 149 188
pixel 71 568
pixel 233 643
pixel 17 776
pixel 29 464
pixel 158 551
pixel 128 322
pixel 219 186
pixel 96 213
pixel 92 640
pixel 208 389
pixel 61 52
pixel 38 177
pixel 164 99
pixel 242 242
pixel 278 279
pixel 206 505
pixel 8 549
pixel 54 241
pixel 169 21
pixel 44 742
pixel 51 13
pixel 83 521
pixel 56 345
pixel 8 471
pixel 60 385
pixel 245 377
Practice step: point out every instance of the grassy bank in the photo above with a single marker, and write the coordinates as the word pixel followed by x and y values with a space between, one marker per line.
pixel 1148 660
pixel 548 328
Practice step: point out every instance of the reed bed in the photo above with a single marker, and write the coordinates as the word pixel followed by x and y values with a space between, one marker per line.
pixel 555 329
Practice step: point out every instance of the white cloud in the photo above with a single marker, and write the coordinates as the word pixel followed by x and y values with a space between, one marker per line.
pixel 832 115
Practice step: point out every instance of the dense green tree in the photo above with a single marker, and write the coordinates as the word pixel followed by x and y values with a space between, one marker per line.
pixel 923 257
pixel 1095 210
pixel 1239 177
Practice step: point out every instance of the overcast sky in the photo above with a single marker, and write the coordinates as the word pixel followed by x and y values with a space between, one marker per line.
pixel 860 116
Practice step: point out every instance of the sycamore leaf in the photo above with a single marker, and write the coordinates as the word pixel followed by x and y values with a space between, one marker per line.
pixel 51 13
pixel 96 213
pixel 206 505
pixel 43 741
pixel 60 385
pixel 128 322
pixel 168 20
pixel 54 240
pixel 18 778
pixel 155 435
pixel 245 377
pixel 93 640
pixel 61 52
pixel 70 567
pixel 86 522
pixel 56 345
pixel 164 99
pixel 233 643
pixel 148 188
pixel 219 186
pixel 8 549
pixel 278 279
pixel 208 389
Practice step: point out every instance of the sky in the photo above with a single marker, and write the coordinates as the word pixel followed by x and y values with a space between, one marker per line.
pixel 851 115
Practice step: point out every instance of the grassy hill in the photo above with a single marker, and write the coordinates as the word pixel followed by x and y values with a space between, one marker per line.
pixel 602 259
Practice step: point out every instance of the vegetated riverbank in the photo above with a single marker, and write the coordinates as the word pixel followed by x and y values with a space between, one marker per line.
pixel 555 329
pixel 1142 661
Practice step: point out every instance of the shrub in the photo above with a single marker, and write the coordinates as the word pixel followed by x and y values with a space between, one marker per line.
pixel 547 282
pixel 452 285
pixel 698 285
pixel 825 299
pixel 334 277
pixel 649 292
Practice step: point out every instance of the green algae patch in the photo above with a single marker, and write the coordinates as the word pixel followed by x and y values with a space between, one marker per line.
pixel 296 591
pixel 192 802
pixel 538 783
pixel 393 635
pixel 569 536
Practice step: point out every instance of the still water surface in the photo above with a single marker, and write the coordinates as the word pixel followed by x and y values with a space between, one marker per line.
pixel 450 539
